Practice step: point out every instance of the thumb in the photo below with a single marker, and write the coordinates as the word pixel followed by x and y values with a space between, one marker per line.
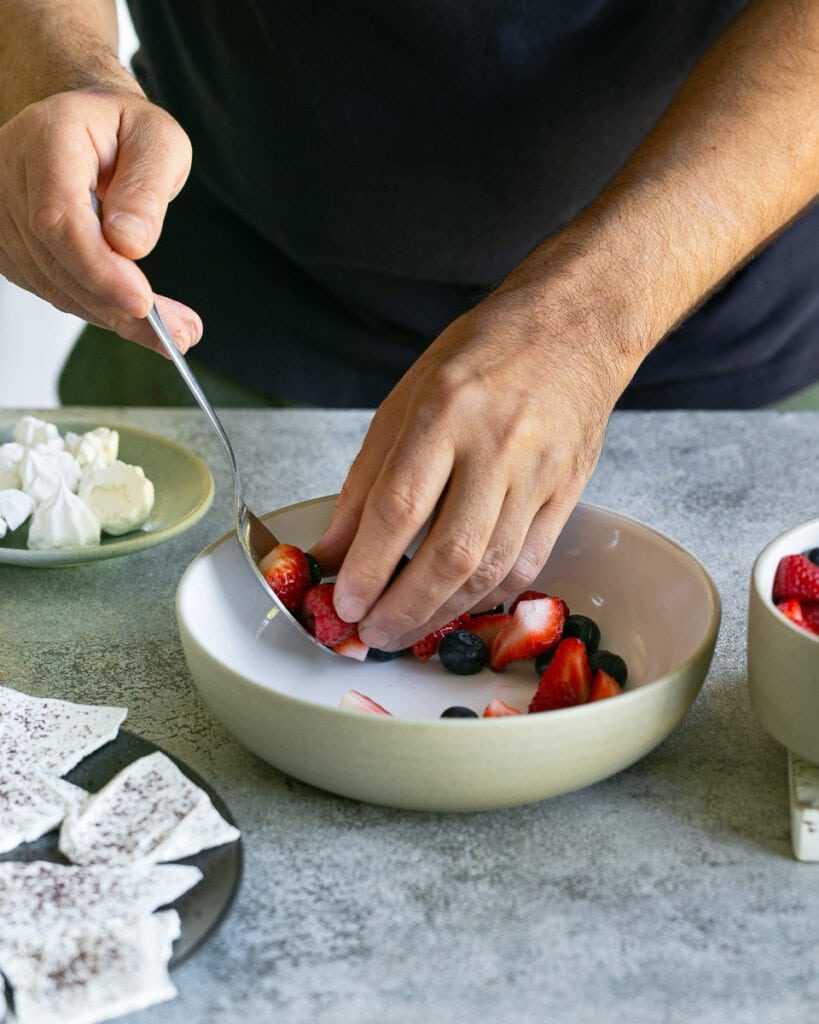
pixel 152 164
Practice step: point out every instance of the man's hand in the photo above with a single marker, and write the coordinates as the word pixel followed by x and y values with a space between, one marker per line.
pixel 493 433
pixel 53 154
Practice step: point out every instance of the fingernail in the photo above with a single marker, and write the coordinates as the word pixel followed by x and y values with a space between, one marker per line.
pixel 193 332
pixel 350 608
pixel 130 225
pixel 375 638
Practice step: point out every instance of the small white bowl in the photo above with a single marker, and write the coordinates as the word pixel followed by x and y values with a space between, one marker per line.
pixel 783 658
pixel 278 694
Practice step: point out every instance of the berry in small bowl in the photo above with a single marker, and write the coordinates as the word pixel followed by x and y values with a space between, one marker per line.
pixel 783 648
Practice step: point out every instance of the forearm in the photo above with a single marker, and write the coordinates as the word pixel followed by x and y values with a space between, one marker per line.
pixel 51 46
pixel 732 161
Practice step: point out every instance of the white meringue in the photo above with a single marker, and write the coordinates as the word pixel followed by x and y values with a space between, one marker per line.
pixel 3 529
pixel 41 473
pixel 11 455
pixel 30 431
pixel 120 495
pixel 98 447
pixel 15 507
pixel 63 521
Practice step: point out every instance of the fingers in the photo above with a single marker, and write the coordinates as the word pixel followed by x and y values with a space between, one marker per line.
pixel 398 505
pixel 535 551
pixel 152 165
pixel 503 549
pixel 129 151
pixel 453 553
pixel 330 550
pixel 35 272
pixel 58 219
pixel 333 545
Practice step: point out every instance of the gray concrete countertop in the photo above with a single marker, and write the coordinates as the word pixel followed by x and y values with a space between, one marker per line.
pixel 666 894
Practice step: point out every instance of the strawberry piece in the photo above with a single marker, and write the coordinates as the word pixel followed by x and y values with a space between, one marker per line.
pixel 604 686
pixel 352 647
pixel 321 618
pixel 567 678
pixel 488 626
pixel 427 646
pixel 796 577
pixel 355 701
pixel 534 627
pixel 498 708
pixel 792 610
pixel 810 610
pixel 553 695
pixel 288 575
pixel 527 595
pixel 801 613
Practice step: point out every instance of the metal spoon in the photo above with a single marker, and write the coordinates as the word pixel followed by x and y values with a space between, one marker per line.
pixel 254 537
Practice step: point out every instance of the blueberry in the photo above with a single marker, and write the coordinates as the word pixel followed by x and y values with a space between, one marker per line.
pixel 497 610
pixel 584 629
pixel 611 664
pixel 403 562
pixel 543 659
pixel 459 712
pixel 373 654
pixel 813 555
pixel 463 653
pixel 315 569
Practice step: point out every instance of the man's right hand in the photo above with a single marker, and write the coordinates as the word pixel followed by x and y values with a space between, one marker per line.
pixel 53 155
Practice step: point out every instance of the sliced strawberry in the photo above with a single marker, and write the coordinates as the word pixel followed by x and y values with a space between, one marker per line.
pixel 804 614
pixel 427 646
pixel 792 610
pixel 352 647
pixel 488 626
pixel 555 694
pixel 810 610
pixel 535 626
pixel 288 574
pixel 604 686
pixel 320 617
pixel 498 708
pixel 355 701
pixel 796 577
pixel 567 678
pixel 527 595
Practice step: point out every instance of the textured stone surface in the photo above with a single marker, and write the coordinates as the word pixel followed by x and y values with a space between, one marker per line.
pixel 666 894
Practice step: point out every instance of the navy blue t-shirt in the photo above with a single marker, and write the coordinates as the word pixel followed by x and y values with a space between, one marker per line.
pixel 365 172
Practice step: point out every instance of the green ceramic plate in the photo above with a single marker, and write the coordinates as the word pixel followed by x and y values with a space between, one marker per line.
pixel 184 492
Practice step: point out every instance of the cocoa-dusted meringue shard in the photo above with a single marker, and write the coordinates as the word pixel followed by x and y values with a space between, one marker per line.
pixel 149 813
pixel 50 734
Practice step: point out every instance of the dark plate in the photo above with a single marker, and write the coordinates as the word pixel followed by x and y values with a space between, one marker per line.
pixel 202 908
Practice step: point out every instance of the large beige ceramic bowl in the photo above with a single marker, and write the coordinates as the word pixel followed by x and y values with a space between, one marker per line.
pixel 783 659
pixel 279 694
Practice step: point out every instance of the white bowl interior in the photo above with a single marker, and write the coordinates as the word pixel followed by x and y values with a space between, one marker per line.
pixel 652 600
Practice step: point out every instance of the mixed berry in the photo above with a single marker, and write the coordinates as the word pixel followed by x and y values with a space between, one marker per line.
pixel 564 648
pixel 796 589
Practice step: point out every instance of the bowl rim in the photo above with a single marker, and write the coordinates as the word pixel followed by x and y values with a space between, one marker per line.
pixel 708 639
pixel 765 595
